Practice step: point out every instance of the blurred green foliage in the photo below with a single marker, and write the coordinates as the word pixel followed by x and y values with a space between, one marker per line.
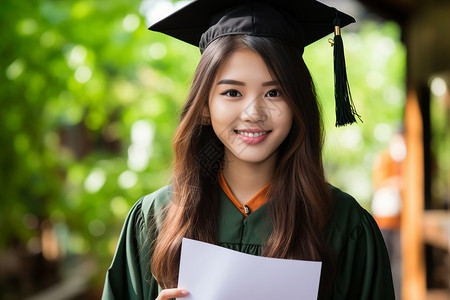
pixel 75 76
pixel 440 147
pixel 90 100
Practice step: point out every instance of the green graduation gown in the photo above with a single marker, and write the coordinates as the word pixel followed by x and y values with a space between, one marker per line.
pixel 363 269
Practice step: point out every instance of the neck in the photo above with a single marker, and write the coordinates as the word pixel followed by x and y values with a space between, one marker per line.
pixel 246 179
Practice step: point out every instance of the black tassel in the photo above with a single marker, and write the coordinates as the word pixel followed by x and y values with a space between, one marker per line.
pixel 345 109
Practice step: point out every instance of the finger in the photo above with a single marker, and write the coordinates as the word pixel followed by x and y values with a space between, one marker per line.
pixel 172 293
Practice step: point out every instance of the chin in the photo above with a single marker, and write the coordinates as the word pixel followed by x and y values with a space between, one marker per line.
pixel 252 156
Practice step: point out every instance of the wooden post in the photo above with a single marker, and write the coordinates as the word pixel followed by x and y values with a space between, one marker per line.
pixel 413 266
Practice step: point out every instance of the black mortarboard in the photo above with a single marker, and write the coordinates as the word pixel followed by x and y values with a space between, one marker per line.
pixel 300 22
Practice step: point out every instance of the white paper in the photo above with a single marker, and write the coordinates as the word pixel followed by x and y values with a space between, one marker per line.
pixel 211 272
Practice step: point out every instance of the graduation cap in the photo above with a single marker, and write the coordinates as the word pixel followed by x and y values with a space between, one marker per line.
pixel 300 22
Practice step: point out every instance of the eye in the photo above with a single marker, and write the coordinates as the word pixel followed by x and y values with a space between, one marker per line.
pixel 273 93
pixel 231 93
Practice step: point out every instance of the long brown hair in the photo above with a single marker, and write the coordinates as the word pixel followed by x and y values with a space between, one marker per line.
pixel 300 204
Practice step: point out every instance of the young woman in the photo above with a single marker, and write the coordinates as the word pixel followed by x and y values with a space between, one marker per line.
pixel 248 175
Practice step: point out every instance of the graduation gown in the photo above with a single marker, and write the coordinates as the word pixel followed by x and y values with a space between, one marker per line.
pixel 362 263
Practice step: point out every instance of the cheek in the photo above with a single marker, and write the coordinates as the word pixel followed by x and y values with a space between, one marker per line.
pixel 283 117
pixel 221 114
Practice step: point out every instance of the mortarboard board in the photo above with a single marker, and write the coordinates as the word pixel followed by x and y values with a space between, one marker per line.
pixel 300 22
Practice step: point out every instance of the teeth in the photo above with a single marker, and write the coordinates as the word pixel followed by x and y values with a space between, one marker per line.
pixel 251 134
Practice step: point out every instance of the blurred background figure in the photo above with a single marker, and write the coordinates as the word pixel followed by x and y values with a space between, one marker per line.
pixel 387 201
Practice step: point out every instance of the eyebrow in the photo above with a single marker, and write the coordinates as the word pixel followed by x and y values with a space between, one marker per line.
pixel 270 83
pixel 235 82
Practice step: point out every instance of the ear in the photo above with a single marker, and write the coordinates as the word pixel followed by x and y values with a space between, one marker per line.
pixel 205 112
pixel 206 120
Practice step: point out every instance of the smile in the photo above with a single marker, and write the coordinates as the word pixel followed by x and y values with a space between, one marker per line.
pixel 252 134
pixel 252 137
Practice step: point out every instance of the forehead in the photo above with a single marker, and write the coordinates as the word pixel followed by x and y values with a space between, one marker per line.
pixel 244 64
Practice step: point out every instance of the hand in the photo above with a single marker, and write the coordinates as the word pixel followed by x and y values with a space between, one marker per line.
pixel 172 293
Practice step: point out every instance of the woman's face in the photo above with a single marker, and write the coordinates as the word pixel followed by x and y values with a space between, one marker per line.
pixel 247 109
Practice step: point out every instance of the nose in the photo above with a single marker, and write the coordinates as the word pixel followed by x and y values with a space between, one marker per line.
pixel 255 110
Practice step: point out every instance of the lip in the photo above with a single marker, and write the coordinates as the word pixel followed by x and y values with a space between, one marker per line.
pixel 252 136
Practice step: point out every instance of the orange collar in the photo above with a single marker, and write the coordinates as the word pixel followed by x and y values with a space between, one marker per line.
pixel 253 204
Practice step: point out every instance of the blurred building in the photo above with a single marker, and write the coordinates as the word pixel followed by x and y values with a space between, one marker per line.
pixel 426 178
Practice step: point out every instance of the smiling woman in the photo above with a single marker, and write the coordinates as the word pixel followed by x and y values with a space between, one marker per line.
pixel 252 178
pixel 247 111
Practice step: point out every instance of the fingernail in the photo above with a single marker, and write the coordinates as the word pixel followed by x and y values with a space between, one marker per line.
pixel 184 292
